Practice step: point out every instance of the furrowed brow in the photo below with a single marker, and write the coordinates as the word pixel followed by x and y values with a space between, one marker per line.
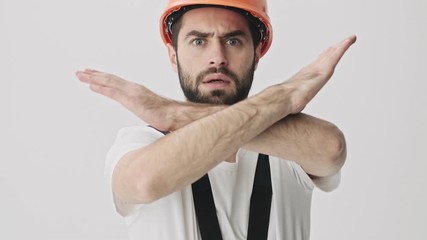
pixel 236 33
pixel 199 34
pixel 195 33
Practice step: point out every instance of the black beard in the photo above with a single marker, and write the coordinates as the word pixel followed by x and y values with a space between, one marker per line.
pixel 192 93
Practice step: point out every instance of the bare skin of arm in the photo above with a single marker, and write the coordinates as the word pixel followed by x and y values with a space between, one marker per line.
pixel 267 122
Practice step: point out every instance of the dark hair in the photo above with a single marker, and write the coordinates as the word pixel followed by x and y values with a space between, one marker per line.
pixel 174 21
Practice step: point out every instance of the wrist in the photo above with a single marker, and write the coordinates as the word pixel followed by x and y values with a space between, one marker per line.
pixel 275 100
pixel 173 110
pixel 184 113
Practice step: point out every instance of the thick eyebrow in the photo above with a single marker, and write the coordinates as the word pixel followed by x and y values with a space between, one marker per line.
pixel 195 33
pixel 235 33
pixel 199 34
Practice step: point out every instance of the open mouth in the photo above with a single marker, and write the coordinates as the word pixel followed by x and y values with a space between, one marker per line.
pixel 217 78
pixel 216 81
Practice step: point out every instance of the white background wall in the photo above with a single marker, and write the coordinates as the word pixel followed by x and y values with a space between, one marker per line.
pixel 54 132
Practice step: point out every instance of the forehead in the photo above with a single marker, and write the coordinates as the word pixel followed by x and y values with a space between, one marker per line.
pixel 213 19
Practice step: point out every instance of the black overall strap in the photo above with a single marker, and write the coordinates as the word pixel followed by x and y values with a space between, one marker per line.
pixel 259 210
pixel 205 209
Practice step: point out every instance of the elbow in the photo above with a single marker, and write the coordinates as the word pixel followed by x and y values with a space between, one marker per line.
pixel 336 151
pixel 146 190
pixel 135 187
pixel 332 153
pixel 149 185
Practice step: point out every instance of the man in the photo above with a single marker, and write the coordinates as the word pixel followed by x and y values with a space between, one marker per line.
pixel 159 172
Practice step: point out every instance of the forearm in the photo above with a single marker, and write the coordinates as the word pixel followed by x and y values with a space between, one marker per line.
pixel 315 144
pixel 184 113
pixel 183 156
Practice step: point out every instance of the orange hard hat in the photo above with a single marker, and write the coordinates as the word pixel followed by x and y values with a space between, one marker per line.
pixel 256 8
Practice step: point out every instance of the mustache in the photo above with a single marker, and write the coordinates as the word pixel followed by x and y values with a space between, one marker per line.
pixel 222 70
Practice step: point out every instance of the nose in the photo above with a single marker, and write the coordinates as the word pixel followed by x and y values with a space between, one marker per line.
pixel 218 56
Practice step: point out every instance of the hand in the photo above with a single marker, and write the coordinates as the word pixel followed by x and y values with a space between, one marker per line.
pixel 148 106
pixel 310 79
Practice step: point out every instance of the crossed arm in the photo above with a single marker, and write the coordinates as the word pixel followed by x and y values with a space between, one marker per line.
pixel 269 122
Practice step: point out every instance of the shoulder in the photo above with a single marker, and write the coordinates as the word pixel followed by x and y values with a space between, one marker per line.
pixel 137 134
pixel 129 139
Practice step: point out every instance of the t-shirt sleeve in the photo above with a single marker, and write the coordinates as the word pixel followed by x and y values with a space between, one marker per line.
pixel 128 139
pixel 326 184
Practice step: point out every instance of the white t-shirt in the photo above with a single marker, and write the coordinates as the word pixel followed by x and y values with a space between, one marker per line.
pixel 173 216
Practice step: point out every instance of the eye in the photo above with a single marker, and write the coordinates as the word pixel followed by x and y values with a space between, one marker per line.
pixel 198 42
pixel 233 42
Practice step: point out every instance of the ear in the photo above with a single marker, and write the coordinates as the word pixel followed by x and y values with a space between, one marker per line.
pixel 257 54
pixel 172 57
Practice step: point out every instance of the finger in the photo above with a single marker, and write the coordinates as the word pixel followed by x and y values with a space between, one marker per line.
pixel 90 70
pixel 102 79
pixel 325 64
pixel 342 48
pixel 331 57
pixel 112 93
